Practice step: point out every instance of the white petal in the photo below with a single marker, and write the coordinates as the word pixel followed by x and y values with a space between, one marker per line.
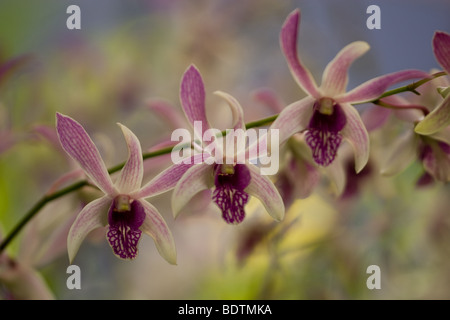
pixel 197 178
pixel 130 177
pixel 93 216
pixel 155 226
pixel 355 132
pixel 263 188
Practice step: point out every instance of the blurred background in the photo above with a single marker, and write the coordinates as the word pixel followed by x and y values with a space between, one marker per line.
pixel 129 53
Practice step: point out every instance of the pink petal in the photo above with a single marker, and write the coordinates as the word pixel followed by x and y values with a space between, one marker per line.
pixel 335 76
pixel 270 98
pixel 294 118
pixel 355 132
pixel 288 41
pixel 167 179
pixel 130 177
pixel 197 178
pixel 441 49
pixel 77 143
pixel 436 120
pixel 263 188
pixel 236 110
pixel 155 226
pixel 93 215
pixel 375 117
pixel 168 112
pixel 374 88
pixel 192 97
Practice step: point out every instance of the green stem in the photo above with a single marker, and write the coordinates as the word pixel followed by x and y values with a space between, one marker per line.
pixel 37 207
pixel 258 123
pixel 408 88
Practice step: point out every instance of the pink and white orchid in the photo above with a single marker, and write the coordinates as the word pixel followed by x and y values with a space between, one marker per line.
pixel 326 115
pixel 122 208
pixel 439 118
pixel 231 181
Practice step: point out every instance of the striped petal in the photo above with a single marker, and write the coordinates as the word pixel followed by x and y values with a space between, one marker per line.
pixel 436 120
pixel 335 76
pixel 236 110
pixel 355 132
pixel 130 177
pixel 197 178
pixel 263 188
pixel 167 179
pixel 441 49
pixel 93 216
pixel 77 143
pixel 288 41
pixel 155 226
pixel 294 118
pixel 374 88
pixel 192 97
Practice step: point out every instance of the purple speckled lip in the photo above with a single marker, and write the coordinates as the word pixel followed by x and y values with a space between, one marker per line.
pixel 323 135
pixel 229 194
pixel 227 181
pixel 123 233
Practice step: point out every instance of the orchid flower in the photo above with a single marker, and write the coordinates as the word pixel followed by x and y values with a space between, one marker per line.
pixel 429 142
pixel 439 118
pixel 326 114
pixel 232 181
pixel 122 208
pixel 298 175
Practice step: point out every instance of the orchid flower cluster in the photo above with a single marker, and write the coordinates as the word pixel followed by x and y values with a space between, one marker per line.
pixel 312 134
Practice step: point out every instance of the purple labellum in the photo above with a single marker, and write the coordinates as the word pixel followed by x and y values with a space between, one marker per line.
pixel 323 136
pixel 229 194
pixel 124 221
pixel 444 147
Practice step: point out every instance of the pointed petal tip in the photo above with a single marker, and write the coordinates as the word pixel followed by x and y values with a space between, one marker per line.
pixel 61 117
pixel 192 69
pixel 294 14
pixel 236 109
